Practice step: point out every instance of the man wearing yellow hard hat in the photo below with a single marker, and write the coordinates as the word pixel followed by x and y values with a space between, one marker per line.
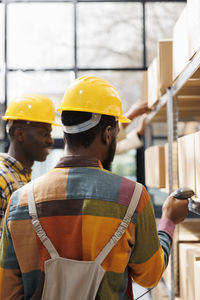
pixel 87 213
pixel 29 119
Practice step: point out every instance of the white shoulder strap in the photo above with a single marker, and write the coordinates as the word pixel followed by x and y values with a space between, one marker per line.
pixel 36 223
pixel 114 239
pixel 123 226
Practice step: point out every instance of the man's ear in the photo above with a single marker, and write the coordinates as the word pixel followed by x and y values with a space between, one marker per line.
pixel 19 134
pixel 107 135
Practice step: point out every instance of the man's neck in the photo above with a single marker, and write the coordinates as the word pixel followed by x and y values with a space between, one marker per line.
pixel 19 156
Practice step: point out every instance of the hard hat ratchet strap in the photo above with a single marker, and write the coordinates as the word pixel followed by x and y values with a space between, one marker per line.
pixel 95 119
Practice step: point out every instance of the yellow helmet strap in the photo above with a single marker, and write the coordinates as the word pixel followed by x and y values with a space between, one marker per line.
pixel 95 119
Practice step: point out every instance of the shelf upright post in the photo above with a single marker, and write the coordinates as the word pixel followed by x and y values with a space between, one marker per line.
pixel 172 120
pixel 148 135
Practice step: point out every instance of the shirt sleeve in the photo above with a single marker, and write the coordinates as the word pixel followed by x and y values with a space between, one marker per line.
pixel 165 232
pixel 132 141
pixel 11 285
pixel 3 204
pixel 151 250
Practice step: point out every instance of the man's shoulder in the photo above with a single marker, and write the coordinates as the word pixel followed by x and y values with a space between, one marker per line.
pixel 126 180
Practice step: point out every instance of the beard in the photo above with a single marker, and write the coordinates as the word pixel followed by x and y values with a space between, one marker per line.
pixel 111 153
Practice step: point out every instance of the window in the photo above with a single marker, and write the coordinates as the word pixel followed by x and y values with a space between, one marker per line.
pixel 160 20
pixel 115 40
pixel 40 35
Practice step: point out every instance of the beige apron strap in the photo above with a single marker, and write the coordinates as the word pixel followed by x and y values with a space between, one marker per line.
pixel 18 185
pixel 123 226
pixel 36 223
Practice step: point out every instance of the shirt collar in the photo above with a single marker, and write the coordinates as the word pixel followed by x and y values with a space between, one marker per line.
pixel 78 161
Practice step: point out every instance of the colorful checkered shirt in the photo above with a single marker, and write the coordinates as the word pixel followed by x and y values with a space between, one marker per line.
pixel 80 206
pixel 11 170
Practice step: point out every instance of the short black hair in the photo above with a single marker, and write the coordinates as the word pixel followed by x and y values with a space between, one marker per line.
pixel 85 138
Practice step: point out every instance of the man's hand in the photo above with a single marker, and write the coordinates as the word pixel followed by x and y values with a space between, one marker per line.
pixel 174 209
pixel 137 109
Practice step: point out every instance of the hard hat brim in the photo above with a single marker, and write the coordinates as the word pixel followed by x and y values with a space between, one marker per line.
pixel 123 119
pixel 5 118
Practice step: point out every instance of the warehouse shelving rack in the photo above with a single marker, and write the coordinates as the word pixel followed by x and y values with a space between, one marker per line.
pixel 181 102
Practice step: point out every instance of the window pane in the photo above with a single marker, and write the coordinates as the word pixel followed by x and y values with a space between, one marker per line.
pixel 1 35
pixel 160 21
pixel 51 84
pixel 110 35
pixel 40 35
pixel 1 55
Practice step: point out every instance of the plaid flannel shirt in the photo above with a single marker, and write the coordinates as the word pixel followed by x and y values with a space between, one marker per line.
pixel 12 176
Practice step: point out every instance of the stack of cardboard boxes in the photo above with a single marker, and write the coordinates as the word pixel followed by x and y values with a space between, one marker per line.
pixel 187 238
pixel 160 72
pixel 174 55
pixel 171 60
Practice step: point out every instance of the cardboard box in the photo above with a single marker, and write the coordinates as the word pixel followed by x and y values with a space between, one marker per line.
pixel 144 95
pixel 193 255
pixel 197 162
pixel 160 72
pixel 188 231
pixel 196 278
pixel 180 44
pixel 174 166
pixel 187 254
pixel 193 7
pixel 155 166
pixel 186 161
pixel 165 65
pixel 152 78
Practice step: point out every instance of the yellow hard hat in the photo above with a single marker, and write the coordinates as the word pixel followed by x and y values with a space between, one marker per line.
pixel 34 108
pixel 95 95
